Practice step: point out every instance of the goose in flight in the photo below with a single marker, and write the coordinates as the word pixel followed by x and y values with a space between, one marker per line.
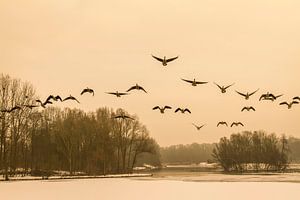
pixel 198 127
pixel 58 98
pixel 183 110
pixel 43 104
pixel 122 116
pixel 269 96
pixel 247 95
pixel 289 104
pixel 194 82
pixel 51 97
pixel 136 87
pixel 223 88
pixel 12 109
pixel 222 123
pixel 118 94
pixel 248 108
pixel 296 98
pixel 71 98
pixel 30 106
pixel 236 124
pixel 162 110
pixel 164 60
pixel 87 90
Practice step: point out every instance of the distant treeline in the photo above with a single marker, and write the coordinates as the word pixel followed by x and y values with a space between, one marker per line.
pixel 39 140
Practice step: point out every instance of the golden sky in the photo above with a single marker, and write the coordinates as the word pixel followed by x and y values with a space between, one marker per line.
pixel 63 46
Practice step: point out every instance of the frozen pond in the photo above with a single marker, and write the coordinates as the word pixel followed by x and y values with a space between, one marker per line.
pixel 147 188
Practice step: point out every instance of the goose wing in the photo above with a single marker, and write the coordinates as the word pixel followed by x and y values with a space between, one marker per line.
pixel 157 58
pixel 252 108
pixel 156 107
pixel 187 110
pixel 171 59
pixel 296 98
pixel 218 86
pixel 284 103
pixel 295 102
pixel 229 86
pixel 113 93
pixel 141 88
pixel 278 96
pixel 241 94
pixel 189 81
pixel 50 97
pixel 132 88
pixel 262 96
pixel 233 124
pixel 178 109
pixel 240 123
pixel 245 108
pixel 253 92
pixel 58 98
pixel 123 93
pixel 167 107
pixel 201 82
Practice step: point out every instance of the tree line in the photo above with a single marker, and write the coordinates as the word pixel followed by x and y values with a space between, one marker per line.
pixel 44 140
pixel 252 151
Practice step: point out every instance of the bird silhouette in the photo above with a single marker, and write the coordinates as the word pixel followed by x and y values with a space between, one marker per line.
pixel 247 95
pixel 269 96
pixel 58 98
pixel 248 108
pixel 43 104
pixel 223 88
pixel 222 123
pixel 87 90
pixel 194 82
pixel 164 60
pixel 289 104
pixel 122 116
pixel 198 127
pixel 136 87
pixel 51 97
pixel 236 124
pixel 296 98
pixel 71 98
pixel 11 110
pixel 30 106
pixel 162 109
pixel 118 94
pixel 183 110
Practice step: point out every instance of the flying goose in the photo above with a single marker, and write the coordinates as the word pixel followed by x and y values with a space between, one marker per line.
pixel 223 88
pixel 198 127
pixel 164 60
pixel 162 110
pixel 118 94
pixel 12 109
pixel 194 82
pixel 122 116
pixel 289 104
pixel 269 96
pixel 236 124
pixel 222 123
pixel 71 98
pixel 136 87
pixel 296 98
pixel 248 108
pixel 247 95
pixel 87 90
pixel 51 97
pixel 183 110
pixel 43 104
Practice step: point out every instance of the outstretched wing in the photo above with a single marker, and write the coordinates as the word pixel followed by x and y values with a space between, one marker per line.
pixel 84 91
pixel 58 98
pixel 245 108
pixel 199 82
pixel 171 59
pixel 295 102
pixel 240 123
pixel 187 110
pixel 132 88
pixel 178 109
pixel 123 93
pixel 157 58
pixel 278 96
pixel 251 108
pixel 241 94
pixel 296 98
pixel 233 123
pixel 229 86
pixel 187 80
pixel 50 97
pixel 253 92
pixel 156 107
pixel 127 117
pixel 218 86
pixel 262 96
pixel 284 103
pixel 113 93
pixel 141 88
pixel 167 107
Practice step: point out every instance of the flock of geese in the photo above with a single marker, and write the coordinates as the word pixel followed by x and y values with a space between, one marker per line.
pixel 268 96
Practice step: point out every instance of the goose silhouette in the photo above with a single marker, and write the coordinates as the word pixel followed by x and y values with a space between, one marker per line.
pixel 43 104
pixel 182 110
pixel 222 123
pixel 71 98
pixel 236 124
pixel 122 116
pixel 247 95
pixel 136 87
pixel 223 88
pixel 87 90
pixel 118 94
pixel 248 108
pixel 194 82
pixel 269 96
pixel 162 109
pixel 164 60
pixel 289 104
pixel 198 127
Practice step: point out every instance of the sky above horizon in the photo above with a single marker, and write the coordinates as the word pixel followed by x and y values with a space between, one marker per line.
pixel 62 47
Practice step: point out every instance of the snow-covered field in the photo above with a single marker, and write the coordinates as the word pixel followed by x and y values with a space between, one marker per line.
pixel 144 189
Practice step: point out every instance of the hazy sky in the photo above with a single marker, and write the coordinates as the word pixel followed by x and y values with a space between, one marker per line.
pixel 63 46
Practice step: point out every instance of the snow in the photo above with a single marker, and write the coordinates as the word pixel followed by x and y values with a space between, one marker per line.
pixel 144 189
